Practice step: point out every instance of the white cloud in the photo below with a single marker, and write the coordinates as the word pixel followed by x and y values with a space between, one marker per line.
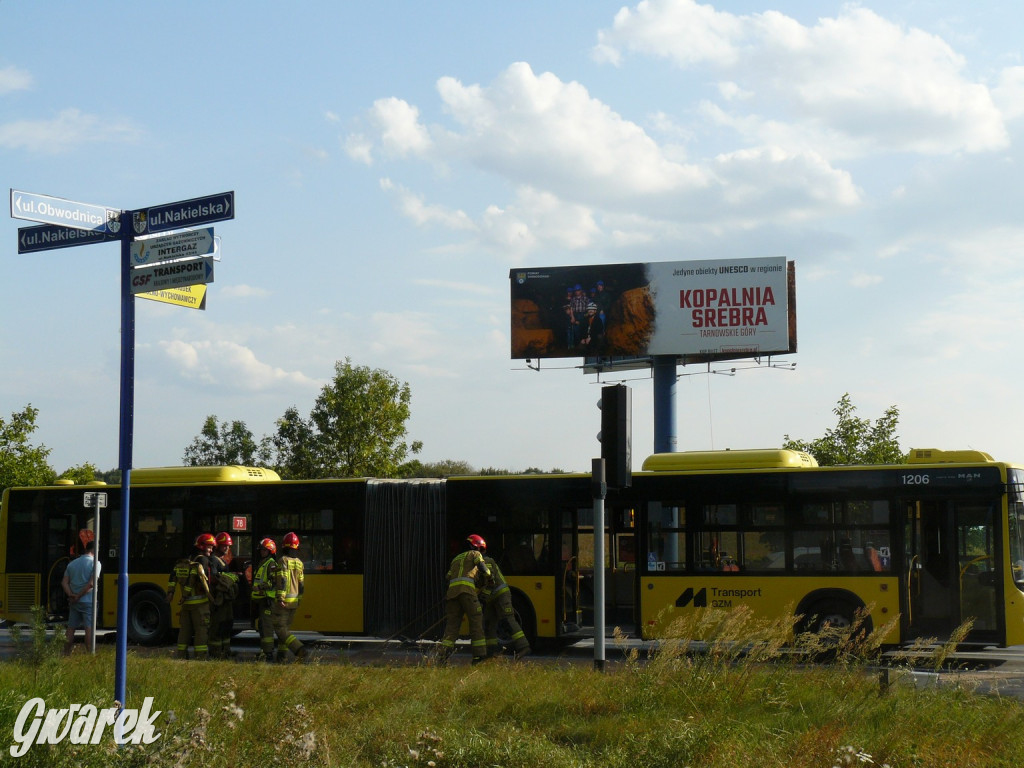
pixel 863 77
pixel 540 130
pixel 572 160
pixel 406 336
pixel 227 365
pixel 413 207
pixel 67 131
pixel 359 148
pixel 450 285
pixel 538 216
pixel 243 291
pixel 14 79
pixel 398 124
pixel 1009 94
pixel 863 280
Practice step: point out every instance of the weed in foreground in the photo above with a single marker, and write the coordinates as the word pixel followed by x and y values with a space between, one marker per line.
pixel 40 649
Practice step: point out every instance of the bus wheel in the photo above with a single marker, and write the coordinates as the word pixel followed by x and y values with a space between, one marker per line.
pixel 524 617
pixel 837 615
pixel 149 617
pixel 831 614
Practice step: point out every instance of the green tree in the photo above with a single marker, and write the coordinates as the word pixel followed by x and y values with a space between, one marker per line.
pixel 357 428
pixel 111 476
pixel 443 468
pixel 226 444
pixel 22 463
pixel 80 475
pixel 294 446
pixel 855 440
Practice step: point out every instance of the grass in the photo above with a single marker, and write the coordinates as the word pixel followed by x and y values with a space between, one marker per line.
pixel 751 696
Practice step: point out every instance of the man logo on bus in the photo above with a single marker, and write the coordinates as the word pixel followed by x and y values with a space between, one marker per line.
pixel 699 600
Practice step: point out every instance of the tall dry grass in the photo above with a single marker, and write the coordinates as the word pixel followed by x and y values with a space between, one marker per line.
pixel 722 690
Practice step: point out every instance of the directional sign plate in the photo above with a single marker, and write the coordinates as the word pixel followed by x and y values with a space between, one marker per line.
pixel 191 296
pixel 186 213
pixel 181 245
pixel 94 500
pixel 65 213
pixel 46 237
pixel 173 274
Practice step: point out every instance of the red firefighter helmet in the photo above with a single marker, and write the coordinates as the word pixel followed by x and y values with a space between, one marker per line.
pixel 224 539
pixel 269 545
pixel 205 540
pixel 477 542
pixel 290 541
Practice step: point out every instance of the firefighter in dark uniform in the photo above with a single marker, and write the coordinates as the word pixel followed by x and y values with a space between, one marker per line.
pixel 290 584
pixel 467 576
pixel 264 592
pixel 192 576
pixel 497 604
pixel 222 598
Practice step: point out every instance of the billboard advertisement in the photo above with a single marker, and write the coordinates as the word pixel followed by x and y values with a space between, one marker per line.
pixel 697 310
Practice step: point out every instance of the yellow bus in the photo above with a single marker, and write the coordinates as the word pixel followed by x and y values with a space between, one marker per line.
pixel 933 543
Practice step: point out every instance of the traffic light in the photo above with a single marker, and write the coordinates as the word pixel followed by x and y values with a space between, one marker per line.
pixel 617 435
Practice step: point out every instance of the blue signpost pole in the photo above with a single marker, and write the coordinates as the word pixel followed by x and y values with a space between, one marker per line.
pixel 125 452
pixel 665 440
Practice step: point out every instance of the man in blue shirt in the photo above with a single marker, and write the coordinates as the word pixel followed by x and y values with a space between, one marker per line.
pixel 79 581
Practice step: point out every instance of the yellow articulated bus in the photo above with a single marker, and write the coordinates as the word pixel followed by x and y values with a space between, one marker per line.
pixel 932 543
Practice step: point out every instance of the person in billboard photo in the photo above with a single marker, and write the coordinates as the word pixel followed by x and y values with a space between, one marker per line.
pixel 593 331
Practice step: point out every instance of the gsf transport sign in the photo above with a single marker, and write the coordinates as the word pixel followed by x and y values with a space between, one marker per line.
pixel 173 274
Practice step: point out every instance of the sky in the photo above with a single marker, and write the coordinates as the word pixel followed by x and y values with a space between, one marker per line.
pixel 393 161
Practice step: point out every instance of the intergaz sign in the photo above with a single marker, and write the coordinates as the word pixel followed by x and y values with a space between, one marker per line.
pixel 181 245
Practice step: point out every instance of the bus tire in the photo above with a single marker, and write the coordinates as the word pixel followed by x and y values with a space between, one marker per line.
pixel 523 611
pixel 836 614
pixel 149 617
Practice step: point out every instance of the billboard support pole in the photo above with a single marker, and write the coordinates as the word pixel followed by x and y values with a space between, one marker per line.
pixel 665 440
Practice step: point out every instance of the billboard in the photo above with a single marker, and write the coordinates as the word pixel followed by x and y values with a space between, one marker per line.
pixel 695 310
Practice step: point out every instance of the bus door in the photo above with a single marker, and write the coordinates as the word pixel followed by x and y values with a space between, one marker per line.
pixel 66 536
pixel 576 566
pixel 950 569
pixel 620 574
pixel 620 585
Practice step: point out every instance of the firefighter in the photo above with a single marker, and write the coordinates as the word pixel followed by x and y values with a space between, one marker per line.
pixel 223 591
pixel 262 597
pixel 467 575
pixel 192 576
pixel 289 583
pixel 497 604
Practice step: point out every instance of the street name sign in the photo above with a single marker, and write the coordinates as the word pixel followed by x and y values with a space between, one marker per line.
pixel 174 274
pixel 185 213
pixel 65 213
pixel 47 237
pixel 190 296
pixel 181 245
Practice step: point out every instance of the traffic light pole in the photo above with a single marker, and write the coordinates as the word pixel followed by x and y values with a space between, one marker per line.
pixel 600 490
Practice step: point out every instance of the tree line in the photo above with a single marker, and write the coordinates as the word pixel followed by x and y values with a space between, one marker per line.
pixel 358 428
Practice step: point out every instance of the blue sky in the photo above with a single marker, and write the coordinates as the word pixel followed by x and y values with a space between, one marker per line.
pixel 391 162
